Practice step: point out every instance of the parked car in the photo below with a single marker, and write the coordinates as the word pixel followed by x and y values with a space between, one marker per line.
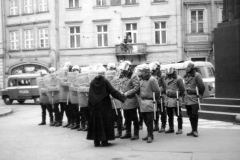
pixel 206 69
pixel 20 88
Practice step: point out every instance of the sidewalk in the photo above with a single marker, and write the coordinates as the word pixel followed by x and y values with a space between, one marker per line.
pixel 4 110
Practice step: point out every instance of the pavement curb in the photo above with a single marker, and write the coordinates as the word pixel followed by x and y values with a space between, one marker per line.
pixel 5 111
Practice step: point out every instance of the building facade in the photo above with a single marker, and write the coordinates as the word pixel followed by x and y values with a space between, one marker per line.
pixel 199 18
pixel 30 36
pixel 91 30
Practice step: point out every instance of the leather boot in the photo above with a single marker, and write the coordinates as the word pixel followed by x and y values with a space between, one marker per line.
pixel 118 134
pixel 156 127
pixel 80 128
pixel 190 133
pixel 170 130
pixel 127 135
pixel 58 124
pixel 97 144
pixel 145 138
pixel 76 126
pixel 43 121
pixel 71 125
pixel 195 134
pixel 66 125
pixel 149 139
pixel 53 123
pixel 135 135
pixel 179 131
pixel 161 130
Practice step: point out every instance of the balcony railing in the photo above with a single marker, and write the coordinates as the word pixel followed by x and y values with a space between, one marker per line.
pixel 131 49
pixel 138 49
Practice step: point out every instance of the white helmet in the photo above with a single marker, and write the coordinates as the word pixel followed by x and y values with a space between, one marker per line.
pixel 66 65
pixel 76 67
pixel 44 72
pixel 111 66
pixel 170 70
pixel 52 69
pixel 144 67
pixel 153 65
pixel 125 65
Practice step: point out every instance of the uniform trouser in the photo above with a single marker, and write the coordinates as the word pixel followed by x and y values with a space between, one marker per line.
pixel 71 113
pixel 163 115
pixel 118 118
pixel 84 116
pixel 131 115
pixel 75 114
pixel 192 112
pixel 57 112
pixel 140 117
pixel 148 120
pixel 50 112
pixel 170 112
pixel 65 108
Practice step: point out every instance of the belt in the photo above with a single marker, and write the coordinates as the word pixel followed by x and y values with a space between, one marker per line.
pixel 147 98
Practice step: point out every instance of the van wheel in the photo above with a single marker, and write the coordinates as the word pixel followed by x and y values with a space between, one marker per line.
pixel 36 100
pixel 7 100
pixel 21 101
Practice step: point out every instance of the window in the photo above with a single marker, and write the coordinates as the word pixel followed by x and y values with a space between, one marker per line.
pixel 131 29
pixel 74 37
pixel 13 7
pixel 130 1
pixel 12 82
pixel 101 2
pixel 28 6
pixel 28 39
pixel 115 2
pixel 42 6
pixel 43 38
pixel 102 36
pixel 160 33
pixel 14 43
pixel 197 21
pixel 73 3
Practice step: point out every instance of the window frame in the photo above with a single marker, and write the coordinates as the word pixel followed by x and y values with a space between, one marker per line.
pixel 101 1
pixel 102 34
pixel 132 31
pixel 160 32
pixel 29 40
pixel 46 44
pixel 75 35
pixel 130 2
pixel 30 7
pixel 16 40
pixel 39 4
pixel 74 4
pixel 16 7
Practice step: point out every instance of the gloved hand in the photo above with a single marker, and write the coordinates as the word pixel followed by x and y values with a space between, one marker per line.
pixel 191 91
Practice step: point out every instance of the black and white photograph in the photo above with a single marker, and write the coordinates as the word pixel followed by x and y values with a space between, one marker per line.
pixel 119 79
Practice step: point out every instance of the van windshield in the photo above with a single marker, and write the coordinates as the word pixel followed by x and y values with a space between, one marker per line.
pixel 24 82
pixel 210 71
pixel 12 82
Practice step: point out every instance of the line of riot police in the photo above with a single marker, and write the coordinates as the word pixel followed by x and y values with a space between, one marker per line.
pixel 150 94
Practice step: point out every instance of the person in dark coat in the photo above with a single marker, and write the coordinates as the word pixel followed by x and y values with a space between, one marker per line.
pixel 101 120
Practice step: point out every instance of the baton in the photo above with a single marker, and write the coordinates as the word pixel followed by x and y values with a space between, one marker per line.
pixel 177 104
pixel 67 97
pixel 114 105
pixel 154 105
pixel 52 100
pixel 198 99
pixel 161 101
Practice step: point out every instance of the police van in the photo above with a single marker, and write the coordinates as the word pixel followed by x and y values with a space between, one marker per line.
pixel 21 87
pixel 206 69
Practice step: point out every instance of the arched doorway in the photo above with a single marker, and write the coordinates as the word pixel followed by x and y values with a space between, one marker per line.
pixel 27 68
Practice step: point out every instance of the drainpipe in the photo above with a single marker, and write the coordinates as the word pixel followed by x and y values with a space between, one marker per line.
pixel 183 32
pixel 4 40
pixel 57 40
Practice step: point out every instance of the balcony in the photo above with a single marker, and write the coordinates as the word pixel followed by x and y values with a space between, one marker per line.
pixel 136 49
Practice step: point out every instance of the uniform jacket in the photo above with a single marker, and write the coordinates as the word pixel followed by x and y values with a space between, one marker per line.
pixel 43 95
pixel 162 85
pixel 54 95
pixel 174 84
pixel 147 87
pixel 191 82
pixel 130 86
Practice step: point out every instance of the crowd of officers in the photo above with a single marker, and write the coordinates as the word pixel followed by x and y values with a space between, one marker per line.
pixel 150 95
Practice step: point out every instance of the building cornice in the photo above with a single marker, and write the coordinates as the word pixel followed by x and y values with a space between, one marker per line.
pixel 101 20
pixel 73 22
pixel 29 23
pixel 159 17
pixel 197 3
pixel 130 18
